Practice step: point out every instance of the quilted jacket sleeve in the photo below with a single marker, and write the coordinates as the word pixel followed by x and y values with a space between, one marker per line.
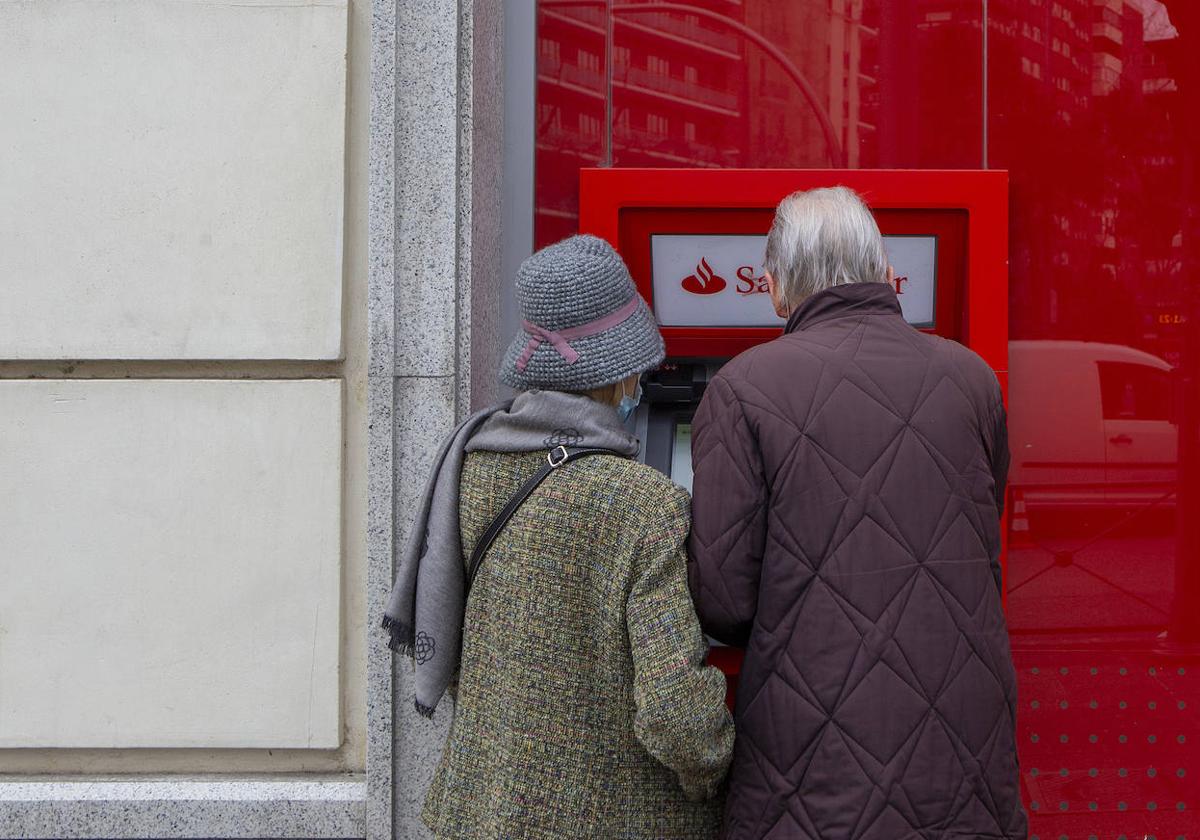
pixel 729 494
pixel 681 718
pixel 998 451
pixel 996 441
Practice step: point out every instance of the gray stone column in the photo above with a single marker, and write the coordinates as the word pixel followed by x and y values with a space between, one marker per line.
pixel 434 227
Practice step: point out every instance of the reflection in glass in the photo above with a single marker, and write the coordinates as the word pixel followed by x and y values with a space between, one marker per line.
pixel 1093 106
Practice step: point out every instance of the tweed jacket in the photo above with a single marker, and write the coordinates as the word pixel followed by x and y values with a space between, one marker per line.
pixel 584 708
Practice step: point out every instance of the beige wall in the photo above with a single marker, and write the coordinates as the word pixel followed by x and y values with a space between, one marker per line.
pixel 185 166
pixel 170 562
pixel 173 180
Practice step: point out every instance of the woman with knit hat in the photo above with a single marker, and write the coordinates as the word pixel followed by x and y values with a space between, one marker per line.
pixel 545 576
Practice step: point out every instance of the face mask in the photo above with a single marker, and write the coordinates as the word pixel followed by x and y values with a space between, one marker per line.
pixel 628 404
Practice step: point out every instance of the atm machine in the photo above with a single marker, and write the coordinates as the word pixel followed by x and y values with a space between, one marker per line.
pixel 694 242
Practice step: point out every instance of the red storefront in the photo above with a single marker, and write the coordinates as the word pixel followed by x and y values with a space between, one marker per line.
pixel 1093 108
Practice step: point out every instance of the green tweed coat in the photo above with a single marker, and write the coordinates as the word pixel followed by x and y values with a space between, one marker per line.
pixel 583 708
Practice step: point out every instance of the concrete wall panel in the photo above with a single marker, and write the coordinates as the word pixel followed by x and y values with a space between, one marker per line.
pixel 169 559
pixel 171 179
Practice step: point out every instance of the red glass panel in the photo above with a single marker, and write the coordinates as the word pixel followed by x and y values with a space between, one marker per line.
pixel 1094 108
pixel 571 110
pixel 761 84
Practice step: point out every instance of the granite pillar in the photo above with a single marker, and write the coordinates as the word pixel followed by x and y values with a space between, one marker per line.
pixel 435 159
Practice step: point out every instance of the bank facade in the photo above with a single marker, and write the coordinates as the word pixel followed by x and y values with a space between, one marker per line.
pixel 255 263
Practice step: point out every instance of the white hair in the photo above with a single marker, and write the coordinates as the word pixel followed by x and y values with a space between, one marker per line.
pixel 821 239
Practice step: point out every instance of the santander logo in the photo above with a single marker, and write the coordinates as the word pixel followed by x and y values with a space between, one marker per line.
pixel 705 281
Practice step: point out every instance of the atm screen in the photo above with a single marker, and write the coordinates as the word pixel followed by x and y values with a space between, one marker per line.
pixel 681 456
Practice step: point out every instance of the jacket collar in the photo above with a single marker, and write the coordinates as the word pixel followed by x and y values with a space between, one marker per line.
pixel 842 301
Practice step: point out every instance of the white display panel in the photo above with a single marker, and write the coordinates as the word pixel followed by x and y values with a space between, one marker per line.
pixel 716 280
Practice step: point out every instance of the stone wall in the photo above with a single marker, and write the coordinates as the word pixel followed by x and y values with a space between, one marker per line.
pixel 434 317
pixel 250 257
pixel 183 352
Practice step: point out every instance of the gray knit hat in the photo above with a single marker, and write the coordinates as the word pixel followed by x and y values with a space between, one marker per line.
pixel 584 324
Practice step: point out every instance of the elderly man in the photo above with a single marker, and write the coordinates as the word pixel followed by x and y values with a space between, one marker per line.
pixel 849 477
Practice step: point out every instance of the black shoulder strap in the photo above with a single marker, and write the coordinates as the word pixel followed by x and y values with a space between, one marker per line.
pixel 554 459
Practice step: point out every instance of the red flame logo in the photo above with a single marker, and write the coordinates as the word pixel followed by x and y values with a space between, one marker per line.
pixel 705 281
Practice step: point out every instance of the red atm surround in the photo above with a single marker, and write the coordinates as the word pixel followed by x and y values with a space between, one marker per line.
pixel 966 209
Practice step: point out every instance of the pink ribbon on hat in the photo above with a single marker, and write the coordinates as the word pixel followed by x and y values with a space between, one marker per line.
pixel 561 340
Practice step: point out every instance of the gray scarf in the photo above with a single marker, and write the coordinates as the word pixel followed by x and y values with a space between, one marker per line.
pixel 424 614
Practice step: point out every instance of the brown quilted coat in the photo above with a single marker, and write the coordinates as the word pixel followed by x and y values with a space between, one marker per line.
pixel 848 485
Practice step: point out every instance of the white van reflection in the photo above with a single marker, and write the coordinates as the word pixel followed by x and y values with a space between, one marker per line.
pixel 1091 425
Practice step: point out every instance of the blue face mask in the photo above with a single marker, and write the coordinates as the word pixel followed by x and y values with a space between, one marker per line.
pixel 629 404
